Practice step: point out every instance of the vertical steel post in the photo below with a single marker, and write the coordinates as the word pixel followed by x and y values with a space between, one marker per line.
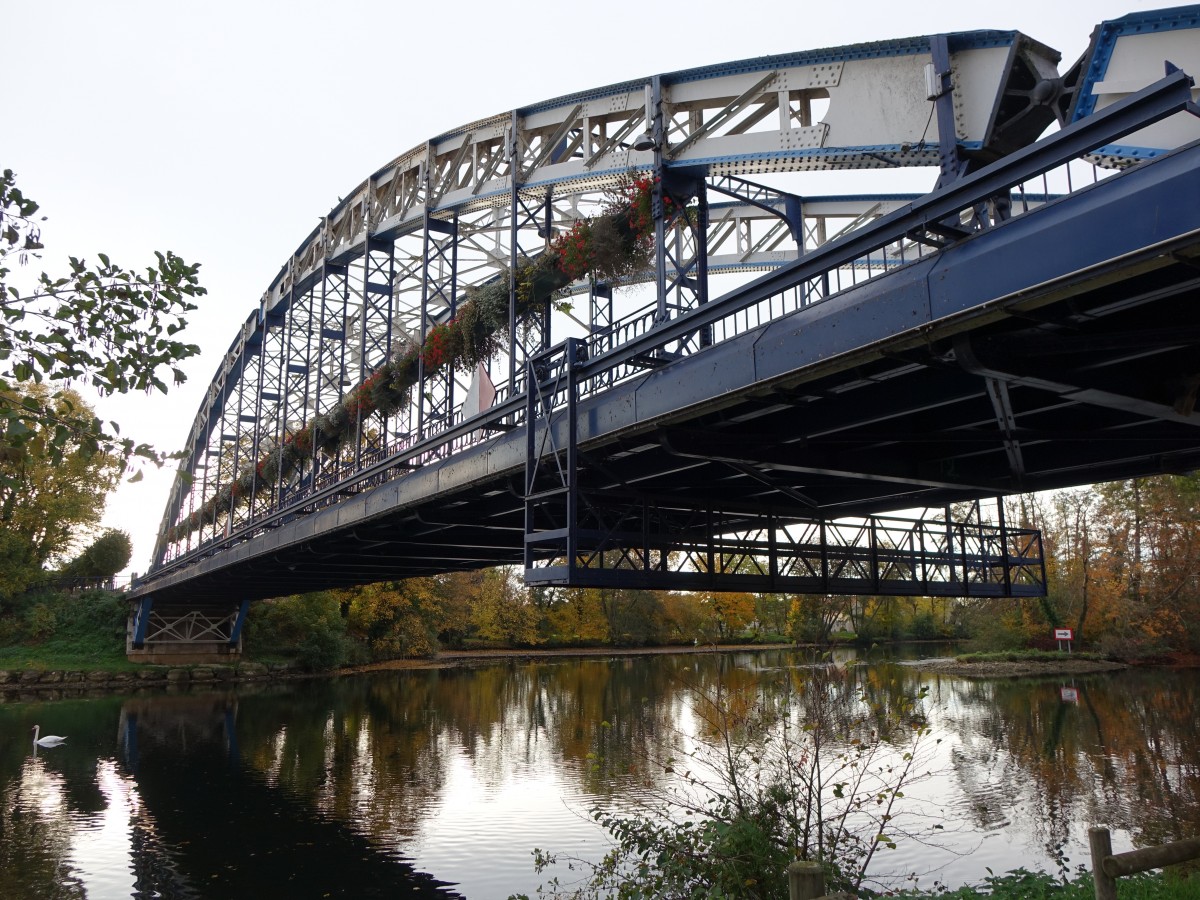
pixel 1006 572
pixel 285 374
pixel 658 133
pixel 141 622
pixel 950 551
pixel 514 178
pixel 574 348
pixel 701 230
pixel 948 157
pixel 824 558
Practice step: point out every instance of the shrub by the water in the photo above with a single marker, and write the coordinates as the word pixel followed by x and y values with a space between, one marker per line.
pixel 308 627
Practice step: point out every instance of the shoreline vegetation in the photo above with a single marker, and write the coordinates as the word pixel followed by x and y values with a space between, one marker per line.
pixel 60 672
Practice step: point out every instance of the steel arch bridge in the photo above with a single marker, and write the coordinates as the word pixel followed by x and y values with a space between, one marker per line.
pixel 430 383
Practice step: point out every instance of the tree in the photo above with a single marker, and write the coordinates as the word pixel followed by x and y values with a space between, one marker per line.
pixel 104 558
pixel 111 327
pixel 731 611
pixel 395 618
pixel 503 611
pixel 50 494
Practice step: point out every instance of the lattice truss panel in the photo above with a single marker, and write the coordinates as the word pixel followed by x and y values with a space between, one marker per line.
pixel 399 254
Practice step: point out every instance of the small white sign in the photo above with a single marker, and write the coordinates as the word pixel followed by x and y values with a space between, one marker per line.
pixel 1069 695
pixel 1064 634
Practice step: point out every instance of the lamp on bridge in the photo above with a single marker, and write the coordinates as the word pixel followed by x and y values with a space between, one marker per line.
pixel 645 142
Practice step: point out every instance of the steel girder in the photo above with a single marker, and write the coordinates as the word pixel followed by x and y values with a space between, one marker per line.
pixel 553 163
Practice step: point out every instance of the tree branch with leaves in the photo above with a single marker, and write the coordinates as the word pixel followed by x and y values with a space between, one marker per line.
pixel 114 328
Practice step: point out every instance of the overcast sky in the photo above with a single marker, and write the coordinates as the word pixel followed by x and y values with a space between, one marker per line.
pixel 223 131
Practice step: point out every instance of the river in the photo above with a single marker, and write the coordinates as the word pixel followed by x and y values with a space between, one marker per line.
pixel 439 783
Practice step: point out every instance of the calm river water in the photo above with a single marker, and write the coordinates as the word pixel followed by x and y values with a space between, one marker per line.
pixel 439 783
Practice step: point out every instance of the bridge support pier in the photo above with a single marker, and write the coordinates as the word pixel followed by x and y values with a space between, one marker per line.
pixel 182 635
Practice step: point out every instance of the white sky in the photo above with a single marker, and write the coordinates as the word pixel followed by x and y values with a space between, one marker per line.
pixel 223 131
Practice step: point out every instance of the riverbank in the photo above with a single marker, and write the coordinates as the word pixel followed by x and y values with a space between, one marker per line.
pixel 452 658
pixel 1028 668
pixel 79 680
pixel 56 683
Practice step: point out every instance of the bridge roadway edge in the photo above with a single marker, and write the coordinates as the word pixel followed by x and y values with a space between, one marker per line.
pixel 1119 222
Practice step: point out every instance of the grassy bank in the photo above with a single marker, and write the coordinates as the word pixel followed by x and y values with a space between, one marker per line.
pixel 1023 885
pixel 52 630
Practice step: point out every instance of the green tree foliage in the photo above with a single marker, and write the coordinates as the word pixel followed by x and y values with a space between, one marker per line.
pixel 104 558
pixel 308 627
pixel 114 328
pixel 51 493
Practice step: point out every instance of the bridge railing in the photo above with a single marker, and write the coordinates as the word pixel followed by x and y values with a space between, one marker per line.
pixel 1011 187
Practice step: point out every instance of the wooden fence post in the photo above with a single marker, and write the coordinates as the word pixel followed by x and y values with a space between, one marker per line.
pixel 1101 845
pixel 806 881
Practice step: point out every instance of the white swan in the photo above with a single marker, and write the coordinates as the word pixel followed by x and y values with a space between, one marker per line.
pixel 50 740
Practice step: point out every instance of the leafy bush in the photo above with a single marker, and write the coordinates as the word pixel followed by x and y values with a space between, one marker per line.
pixel 924 627
pixel 40 621
pixel 1027 656
pixel 47 627
pixel 322 650
pixel 816 774
pixel 308 627
pixel 1132 646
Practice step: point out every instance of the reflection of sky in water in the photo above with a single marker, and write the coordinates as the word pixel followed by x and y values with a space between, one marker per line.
pixel 91 852
pixel 100 847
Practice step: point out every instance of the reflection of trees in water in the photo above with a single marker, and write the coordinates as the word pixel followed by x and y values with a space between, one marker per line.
pixel 1124 756
pixel 377 751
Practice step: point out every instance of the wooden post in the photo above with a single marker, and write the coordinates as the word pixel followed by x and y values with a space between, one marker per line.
pixel 806 881
pixel 1101 845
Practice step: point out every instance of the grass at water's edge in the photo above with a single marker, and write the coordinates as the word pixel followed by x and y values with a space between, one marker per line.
pixel 1020 884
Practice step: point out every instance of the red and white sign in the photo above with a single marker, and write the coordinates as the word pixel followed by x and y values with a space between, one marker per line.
pixel 1069 695
pixel 1064 634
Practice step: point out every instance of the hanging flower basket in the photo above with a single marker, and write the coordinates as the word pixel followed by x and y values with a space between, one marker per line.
pixel 612 247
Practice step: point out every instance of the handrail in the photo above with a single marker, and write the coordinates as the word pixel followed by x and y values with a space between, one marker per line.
pixel 1107 867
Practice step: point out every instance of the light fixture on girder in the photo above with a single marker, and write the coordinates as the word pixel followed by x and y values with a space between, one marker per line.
pixel 647 141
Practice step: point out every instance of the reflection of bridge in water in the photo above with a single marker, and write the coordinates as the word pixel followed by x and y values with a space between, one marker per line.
pixel 1029 324
pixel 202 806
